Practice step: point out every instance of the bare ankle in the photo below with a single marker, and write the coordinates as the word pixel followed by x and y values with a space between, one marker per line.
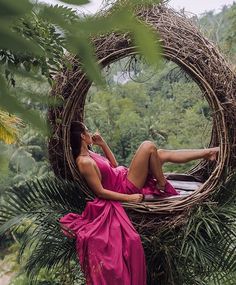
pixel 161 184
pixel 212 153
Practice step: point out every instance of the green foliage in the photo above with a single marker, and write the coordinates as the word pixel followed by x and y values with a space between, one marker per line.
pixel 9 126
pixel 221 29
pixel 165 108
pixel 37 205
pixel 230 35
pixel 10 11
pixel 24 160
pixel 48 38
pixel 208 248
pixel 76 2
pixel 12 105
pixel 46 32
pixel 201 251
pixel 3 160
pixel 168 108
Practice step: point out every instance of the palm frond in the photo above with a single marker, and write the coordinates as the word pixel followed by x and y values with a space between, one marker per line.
pixel 226 194
pixel 209 243
pixel 201 252
pixel 37 206
pixel 41 197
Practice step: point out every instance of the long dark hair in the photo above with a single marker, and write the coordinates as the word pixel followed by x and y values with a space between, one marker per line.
pixel 76 129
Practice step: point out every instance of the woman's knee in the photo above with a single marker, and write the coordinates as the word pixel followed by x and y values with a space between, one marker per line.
pixel 148 146
pixel 163 155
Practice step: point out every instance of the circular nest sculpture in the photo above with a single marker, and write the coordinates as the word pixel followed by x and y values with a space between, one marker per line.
pixel 183 44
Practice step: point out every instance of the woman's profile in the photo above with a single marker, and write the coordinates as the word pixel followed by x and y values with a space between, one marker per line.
pixel 108 247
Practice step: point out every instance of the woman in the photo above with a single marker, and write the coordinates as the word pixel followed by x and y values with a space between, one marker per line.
pixel 144 175
pixel 108 247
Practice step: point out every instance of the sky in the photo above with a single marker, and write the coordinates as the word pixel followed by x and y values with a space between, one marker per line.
pixel 196 7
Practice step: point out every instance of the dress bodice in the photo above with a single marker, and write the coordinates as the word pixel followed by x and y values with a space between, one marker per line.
pixel 110 175
pixel 116 179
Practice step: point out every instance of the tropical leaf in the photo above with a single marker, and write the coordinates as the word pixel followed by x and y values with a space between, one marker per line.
pixel 37 205
pixel 46 32
pixel 209 242
pixel 12 105
pixel 202 251
pixel 9 127
pixel 76 2
pixel 10 11
pixel 78 36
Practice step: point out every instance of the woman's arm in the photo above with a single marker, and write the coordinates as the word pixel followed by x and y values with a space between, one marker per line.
pixel 89 172
pixel 98 140
pixel 109 154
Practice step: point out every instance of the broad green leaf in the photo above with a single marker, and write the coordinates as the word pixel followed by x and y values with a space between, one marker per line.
pixel 46 100
pixel 76 2
pixel 10 40
pixel 87 57
pixel 122 21
pixel 147 42
pixel 13 8
pixel 59 15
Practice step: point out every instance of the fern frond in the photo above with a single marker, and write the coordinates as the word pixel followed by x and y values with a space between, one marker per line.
pixel 37 206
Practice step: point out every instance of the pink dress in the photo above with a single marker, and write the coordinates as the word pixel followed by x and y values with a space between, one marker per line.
pixel 115 179
pixel 108 247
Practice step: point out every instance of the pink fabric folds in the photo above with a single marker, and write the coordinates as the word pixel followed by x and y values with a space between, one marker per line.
pixel 108 247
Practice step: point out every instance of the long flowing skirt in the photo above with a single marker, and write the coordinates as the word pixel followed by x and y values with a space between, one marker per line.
pixel 108 247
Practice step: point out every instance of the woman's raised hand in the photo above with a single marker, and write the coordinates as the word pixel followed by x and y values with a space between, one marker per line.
pixel 135 198
pixel 97 139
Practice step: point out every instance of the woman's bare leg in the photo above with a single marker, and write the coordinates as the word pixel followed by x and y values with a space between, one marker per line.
pixel 149 158
pixel 185 155
pixel 145 159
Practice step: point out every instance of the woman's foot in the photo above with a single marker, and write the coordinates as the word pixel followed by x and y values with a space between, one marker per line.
pixel 161 185
pixel 166 188
pixel 212 153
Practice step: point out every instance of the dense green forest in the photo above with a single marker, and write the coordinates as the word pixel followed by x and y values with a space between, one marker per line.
pixel 140 102
pixel 162 105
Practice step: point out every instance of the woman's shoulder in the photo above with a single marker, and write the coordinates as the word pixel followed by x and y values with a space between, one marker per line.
pixel 84 163
pixel 83 160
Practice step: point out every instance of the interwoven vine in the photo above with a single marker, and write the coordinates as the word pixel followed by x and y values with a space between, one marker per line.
pixel 185 45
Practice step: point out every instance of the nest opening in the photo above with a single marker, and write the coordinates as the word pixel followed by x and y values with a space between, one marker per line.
pixel 183 44
pixel 134 70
